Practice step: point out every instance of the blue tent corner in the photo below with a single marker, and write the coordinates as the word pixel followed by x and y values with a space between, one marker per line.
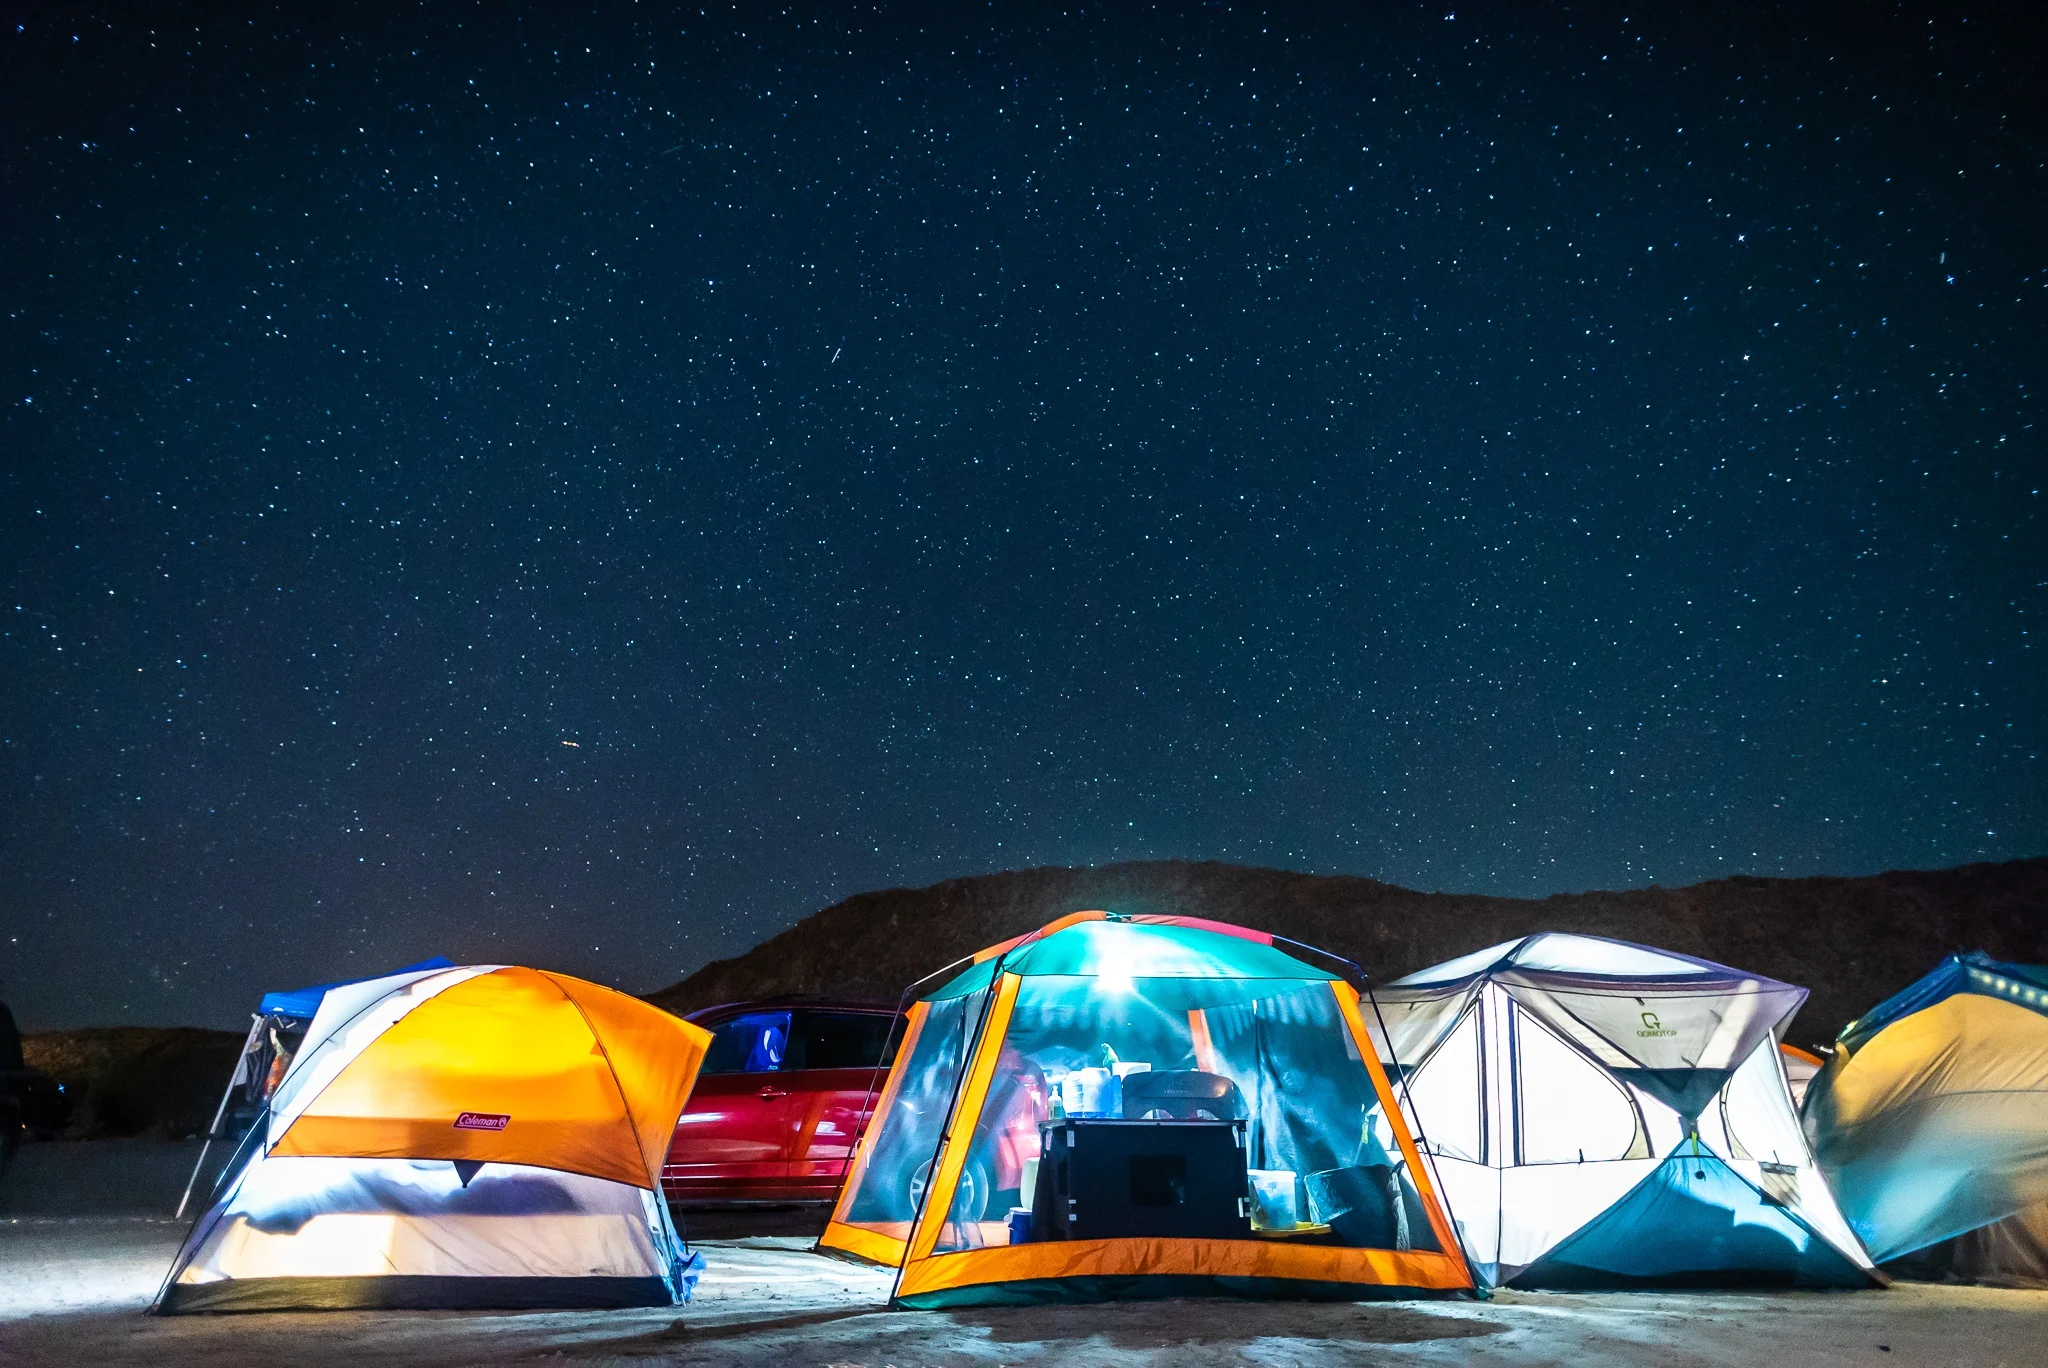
pixel 1693 1222
pixel 300 1004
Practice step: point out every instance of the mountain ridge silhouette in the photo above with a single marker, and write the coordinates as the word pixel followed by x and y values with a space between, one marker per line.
pixel 1852 941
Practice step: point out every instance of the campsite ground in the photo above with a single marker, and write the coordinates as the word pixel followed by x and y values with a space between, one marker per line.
pixel 85 1236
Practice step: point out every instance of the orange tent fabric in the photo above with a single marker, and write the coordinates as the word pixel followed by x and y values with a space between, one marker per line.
pixel 514 1066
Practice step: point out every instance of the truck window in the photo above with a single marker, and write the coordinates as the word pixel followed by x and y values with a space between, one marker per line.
pixel 754 1043
pixel 840 1040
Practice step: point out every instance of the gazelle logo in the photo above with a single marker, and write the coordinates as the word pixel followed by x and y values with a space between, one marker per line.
pixel 1653 1028
pixel 489 1121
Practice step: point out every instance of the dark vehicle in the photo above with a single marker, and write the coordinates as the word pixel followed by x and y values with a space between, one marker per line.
pixel 786 1086
pixel 31 1102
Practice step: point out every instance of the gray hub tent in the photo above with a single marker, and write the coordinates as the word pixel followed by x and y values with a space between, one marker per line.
pixel 1603 1114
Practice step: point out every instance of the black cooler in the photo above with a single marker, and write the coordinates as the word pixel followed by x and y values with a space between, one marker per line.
pixel 1108 1179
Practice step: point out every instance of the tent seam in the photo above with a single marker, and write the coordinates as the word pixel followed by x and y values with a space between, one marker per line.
pixel 611 1071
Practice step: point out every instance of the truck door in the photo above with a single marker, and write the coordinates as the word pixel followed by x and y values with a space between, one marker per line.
pixel 839 1064
pixel 732 1140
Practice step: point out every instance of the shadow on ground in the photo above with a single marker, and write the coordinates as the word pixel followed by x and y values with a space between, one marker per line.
pixel 741 1222
pixel 1170 1324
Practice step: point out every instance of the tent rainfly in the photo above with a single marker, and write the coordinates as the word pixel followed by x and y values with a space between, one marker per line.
pixel 476 1137
pixel 1139 1106
pixel 1800 1068
pixel 1602 1114
pixel 275 1030
pixel 1931 1121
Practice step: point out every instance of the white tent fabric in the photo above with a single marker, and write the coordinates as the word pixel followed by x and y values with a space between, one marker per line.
pixel 350 1017
pixel 1565 1085
pixel 351 1221
pixel 277 1029
pixel 1671 1025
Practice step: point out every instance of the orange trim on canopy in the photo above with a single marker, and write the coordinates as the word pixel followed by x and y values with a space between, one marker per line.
pixel 882 1243
pixel 1804 1056
pixel 1205 1045
pixel 938 1200
pixel 988 953
pixel 859 1239
pixel 1347 1002
pixel 516 1066
pixel 1213 1258
pixel 1050 928
pixel 1201 924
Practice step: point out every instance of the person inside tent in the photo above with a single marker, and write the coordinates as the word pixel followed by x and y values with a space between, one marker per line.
pixel 282 1048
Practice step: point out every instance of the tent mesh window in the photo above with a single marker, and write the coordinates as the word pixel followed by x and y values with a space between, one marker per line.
pixel 1278 1057
pixel 889 1189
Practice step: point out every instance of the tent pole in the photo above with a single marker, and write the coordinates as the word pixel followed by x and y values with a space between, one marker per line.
pixel 875 1077
pixel 880 1071
pixel 255 1025
pixel 1421 1137
pixel 967 1047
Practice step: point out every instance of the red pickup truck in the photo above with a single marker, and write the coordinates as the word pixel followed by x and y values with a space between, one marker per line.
pixel 786 1086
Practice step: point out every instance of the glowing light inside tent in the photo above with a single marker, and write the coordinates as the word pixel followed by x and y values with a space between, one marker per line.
pixel 335 1244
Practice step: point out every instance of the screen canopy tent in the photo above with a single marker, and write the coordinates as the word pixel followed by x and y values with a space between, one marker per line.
pixel 1601 1114
pixel 1121 1107
pixel 475 1137
pixel 1931 1121
pixel 275 1030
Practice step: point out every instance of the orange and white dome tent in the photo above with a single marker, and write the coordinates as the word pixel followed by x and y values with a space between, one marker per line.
pixel 489 1136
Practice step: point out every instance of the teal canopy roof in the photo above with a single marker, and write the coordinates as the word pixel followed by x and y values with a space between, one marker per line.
pixel 1136 950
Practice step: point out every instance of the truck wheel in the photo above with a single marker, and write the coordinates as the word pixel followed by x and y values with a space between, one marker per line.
pixel 970 1198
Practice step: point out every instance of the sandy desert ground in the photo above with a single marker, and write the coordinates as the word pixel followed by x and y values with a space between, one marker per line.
pixel 85 1236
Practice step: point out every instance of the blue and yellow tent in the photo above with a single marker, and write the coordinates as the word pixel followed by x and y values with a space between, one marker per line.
pixel 1931 1122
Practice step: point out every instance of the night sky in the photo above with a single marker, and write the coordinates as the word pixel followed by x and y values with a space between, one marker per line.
pixel 590 487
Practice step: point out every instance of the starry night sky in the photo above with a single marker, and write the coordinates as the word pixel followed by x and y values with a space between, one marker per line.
pixel 589 488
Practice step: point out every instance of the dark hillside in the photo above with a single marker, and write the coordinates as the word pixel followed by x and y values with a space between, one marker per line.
pixel 162 1081
pixel 1852 941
